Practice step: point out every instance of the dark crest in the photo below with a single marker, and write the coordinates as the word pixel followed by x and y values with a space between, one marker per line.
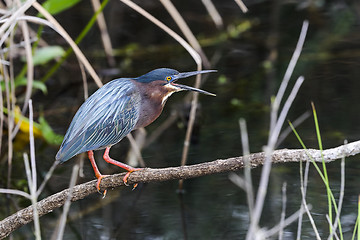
pixel 157 74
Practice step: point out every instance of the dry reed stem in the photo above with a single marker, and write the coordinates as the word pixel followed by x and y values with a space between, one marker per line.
pixel 104 34
pixel 242 6
pixel 185 29
pixel 59 233
pixel 213 13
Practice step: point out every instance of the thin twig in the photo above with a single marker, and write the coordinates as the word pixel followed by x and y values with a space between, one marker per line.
pixel 191 121
pixel 174 13
pixel 288 74
pixel 15 192
pixel 247 170
pixel 303 197
pixel 213 12
pixel 271 232
pixel 280 121
pixel 12 19
pixel 8 33
pixel 136 150
pixel 30 65
pixel 85 84
pixel 242 6
pixel 341 197
pixel 238 181
pixel 133 158
pixel 333 232
pixel 32 177
pixel 1 103
pixel 104 34
pixel 32 147
pixel 61 226
pixel 283 212
pixel 303 185
pixel 47 177
pixel 10 104
pixel 33 198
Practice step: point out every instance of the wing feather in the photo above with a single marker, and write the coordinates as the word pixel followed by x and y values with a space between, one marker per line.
pixel 103 119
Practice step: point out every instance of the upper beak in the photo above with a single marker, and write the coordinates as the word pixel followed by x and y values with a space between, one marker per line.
pixel 187 88
pixel 189 74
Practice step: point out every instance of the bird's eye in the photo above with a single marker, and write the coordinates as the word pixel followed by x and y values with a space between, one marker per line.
pixel 168 78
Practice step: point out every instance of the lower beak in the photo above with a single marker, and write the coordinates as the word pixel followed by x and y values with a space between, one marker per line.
pixel 187 88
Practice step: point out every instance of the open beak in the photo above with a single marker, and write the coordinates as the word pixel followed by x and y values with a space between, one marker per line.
pixel 187 88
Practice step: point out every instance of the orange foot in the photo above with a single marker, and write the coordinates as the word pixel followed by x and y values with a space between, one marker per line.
pixel 125 179
pixel 98 185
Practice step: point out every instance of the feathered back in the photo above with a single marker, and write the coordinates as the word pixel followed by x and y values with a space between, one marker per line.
pixel 103 119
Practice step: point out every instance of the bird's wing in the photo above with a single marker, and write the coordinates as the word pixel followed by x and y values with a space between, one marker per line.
pixel 103 119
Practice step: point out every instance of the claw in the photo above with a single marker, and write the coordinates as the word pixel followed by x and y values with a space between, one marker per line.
pixel 127 176
pixel 98 185
pixel 98 175
pixel 120 164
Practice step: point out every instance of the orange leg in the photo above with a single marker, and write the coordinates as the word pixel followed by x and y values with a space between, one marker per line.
pixel 119 164
pixel 98 175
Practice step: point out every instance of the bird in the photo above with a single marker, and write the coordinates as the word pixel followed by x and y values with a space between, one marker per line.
pixel 117 108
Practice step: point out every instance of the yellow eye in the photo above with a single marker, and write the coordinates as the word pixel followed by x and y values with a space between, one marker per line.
pixel 168 78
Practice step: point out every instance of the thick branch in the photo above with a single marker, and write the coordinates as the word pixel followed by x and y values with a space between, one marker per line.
pixel 48 204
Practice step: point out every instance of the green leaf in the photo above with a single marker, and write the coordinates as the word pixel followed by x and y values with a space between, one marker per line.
pixel 45 54
pixel 57 6
pixel 36 84
pixel 48 134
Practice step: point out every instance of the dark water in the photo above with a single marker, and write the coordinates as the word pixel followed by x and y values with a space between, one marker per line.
pixel 214 208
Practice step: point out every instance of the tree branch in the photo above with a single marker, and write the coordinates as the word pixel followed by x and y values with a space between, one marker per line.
pixel 57 200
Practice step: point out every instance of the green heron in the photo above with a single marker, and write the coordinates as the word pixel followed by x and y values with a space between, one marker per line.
pixel 117 108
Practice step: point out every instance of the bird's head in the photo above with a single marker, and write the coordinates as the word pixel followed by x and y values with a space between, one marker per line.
pixel 168 77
